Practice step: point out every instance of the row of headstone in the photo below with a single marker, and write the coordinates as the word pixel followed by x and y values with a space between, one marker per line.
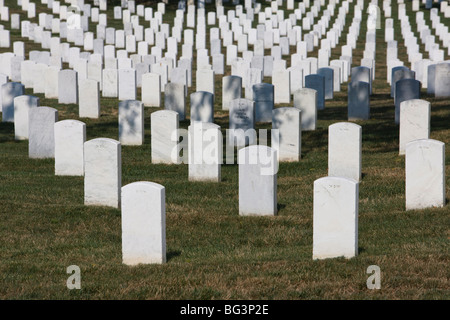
pixel 334 234
pixel 424 68
pixel 95 111
pixel 277 124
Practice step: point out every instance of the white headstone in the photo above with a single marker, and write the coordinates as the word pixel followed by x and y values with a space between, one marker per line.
pixel 305 100
pixel 335 218
pixel 131 123
pixel 242 123
pixel 202 106
pixel 9 91
pixel 414 122
pixel 143 223
pixel 317 82
pixel 41 134
pixel 358 100
pixel 127 84
pixel 102 172
pixel 231 90
pixel 205 80
pixel 205 151
pixel 287 133
pixel 110 83
pixel 51 82
pixel 442 80
pixel 282 86
pixel 425 174
pixel 89 99
pixel 151 90
pixel 344 150
pixel 164 136
pixel 263 95
pixel 22 104
pixel 258 168
pixel 70 136
pixel 174 99
pixel 67 87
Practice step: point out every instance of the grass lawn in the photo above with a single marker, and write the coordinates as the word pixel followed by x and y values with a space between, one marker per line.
pixel 212 252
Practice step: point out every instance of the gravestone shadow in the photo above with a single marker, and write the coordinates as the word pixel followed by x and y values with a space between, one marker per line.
pixel 171 254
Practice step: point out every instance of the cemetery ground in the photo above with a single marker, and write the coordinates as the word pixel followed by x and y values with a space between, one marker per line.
pixel 212 252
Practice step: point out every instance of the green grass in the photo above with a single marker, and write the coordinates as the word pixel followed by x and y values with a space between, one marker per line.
pixel 212 252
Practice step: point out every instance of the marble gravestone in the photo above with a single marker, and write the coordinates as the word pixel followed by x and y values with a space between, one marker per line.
pixel 253 76
pixel 174 99
pixel 151 90
pixel 328 74
pixel 70 136
pixel 89 99
pixel 231 90
pixel 205 80
pixel 442 82
pixel 164 136
pixel 425 174
pixel 431 78
pixel 305 100
pixel 202 106
pixel 131 123
pixel 344 150
pixel 258 168
pixel 102 172
pixel 414 122
pixel 3 80
pixel 22 104
pixel 205 151
pixel 51 82
pixel 41 134
pixel 110 83
pixel 405 89
pixel 335 218
pixel 317 82
pixel 362 74
pixel 127 84
pixel 400 73
pixel 68 87
pixel 241 123
pixel 282 86
pixel 358 101
pixel 38 83
pixel 9 91
pixel 263 95
pixel 143 212
pixel 287 133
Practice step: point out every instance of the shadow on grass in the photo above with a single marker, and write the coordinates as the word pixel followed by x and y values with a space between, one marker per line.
pixel 7 132
pixel 440 122
pixel 172 254
pixel 372 138
pixel 280 207
pixel 333 113
pixel 313 139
